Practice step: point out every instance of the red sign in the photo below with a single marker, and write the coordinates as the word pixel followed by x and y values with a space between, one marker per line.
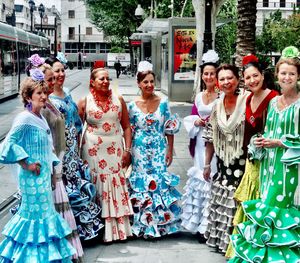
pixel 135 42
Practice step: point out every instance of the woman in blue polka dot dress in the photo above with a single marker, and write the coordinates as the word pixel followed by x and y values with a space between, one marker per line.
pixel 272 233
pixel 36 233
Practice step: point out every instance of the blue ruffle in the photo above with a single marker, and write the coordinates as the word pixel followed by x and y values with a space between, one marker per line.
pixel 42 240
pixel 12 153
pixel 154 202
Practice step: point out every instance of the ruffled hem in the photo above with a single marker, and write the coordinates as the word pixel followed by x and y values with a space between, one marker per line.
pixel 155 204
pixel 55 250
pixel 221 212
pixel 271 235
pixel 61 202
pixel 142 182
pixel 195 202
pixel 35 232
pixel 117 229
pixel 267 216
pixel 86 212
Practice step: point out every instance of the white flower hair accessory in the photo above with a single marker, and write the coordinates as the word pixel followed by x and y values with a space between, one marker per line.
pixel 61 57
pixel 210 56
pixel 145 66
pixel 37 75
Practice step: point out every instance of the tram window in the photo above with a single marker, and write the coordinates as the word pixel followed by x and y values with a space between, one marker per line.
pixel 8 58
pixel 23 55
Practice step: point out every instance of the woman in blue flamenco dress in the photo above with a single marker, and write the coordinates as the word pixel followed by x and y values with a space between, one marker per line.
pixel 272 233
pixel 36 233
pixel 152 188
pixel 76 175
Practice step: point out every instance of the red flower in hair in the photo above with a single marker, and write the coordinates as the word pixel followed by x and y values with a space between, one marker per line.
pixel 248 59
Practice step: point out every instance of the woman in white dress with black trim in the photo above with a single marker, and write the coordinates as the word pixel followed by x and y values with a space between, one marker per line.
pixel 197 190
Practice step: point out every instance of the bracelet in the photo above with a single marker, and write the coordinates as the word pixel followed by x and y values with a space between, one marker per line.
pixel 206 166
pixel 127 150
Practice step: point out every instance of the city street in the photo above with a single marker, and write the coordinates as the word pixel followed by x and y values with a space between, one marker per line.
pixel 180 248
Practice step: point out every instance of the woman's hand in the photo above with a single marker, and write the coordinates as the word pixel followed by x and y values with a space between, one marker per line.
pixel 199 122
pixel 33 167
pixel 267 143
pixel 126 159
pixel 169 157
pixel 206 173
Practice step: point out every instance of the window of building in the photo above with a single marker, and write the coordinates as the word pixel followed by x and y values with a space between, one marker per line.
pixel 71 47
pixel 282 3
pixel 19 8
pixel 105 47
pixel 265 3
pixel 71 32
pixel 89 48
pixel 298 3
pixel 71 13
pixel 89 31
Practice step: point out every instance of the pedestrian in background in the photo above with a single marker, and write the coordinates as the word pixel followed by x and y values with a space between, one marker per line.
pixel 76 176
pixel 197 190
pixel 261 84
pixel 272 232
pixel 152 187
pixel 107 124
pixel 228 124
pixel 36 233
pixel 56 122
pixel 118 67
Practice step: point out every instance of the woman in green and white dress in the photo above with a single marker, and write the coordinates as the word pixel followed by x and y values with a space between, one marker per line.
pixel 272 233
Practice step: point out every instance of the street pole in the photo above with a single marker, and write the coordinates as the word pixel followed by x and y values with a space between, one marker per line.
pixel 55 36
pixel 207 36
pixel 79 49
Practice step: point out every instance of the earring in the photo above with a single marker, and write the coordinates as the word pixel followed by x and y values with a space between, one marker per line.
pixel 29 106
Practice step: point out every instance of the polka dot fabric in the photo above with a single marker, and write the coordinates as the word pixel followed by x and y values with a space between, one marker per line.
pixel 272 233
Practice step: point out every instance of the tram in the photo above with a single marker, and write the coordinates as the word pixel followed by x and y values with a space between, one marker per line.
pixel 16 45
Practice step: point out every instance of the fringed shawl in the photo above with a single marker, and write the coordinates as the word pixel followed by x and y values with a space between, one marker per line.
pixel 228 134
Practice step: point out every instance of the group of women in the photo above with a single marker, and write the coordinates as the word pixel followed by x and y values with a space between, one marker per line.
pixel 71 162
pixel 241 195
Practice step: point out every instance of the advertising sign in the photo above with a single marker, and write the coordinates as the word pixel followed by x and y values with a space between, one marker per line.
pixel 185 54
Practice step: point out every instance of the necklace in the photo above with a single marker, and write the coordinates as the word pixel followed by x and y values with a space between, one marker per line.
pixel 102 99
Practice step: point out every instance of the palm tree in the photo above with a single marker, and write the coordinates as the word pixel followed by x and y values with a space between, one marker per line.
pixel 245 42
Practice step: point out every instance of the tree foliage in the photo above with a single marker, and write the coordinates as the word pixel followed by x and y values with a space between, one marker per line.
pixel 278 33
pixel 226 33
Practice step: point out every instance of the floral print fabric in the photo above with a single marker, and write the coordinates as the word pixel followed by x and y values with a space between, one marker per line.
pixel 102 149
pixel 152 188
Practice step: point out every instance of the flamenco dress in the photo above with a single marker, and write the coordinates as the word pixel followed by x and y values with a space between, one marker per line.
pixel 76 175
pixel 249 186
pixel 36 233
pixel 272 232
pixel 197 191
pixel 152 188
pixel 102 149
pixel 227 137
pixel 56 123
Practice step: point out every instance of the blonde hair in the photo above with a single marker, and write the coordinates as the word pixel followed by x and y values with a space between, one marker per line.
pixel 94 72
pixel 290 61
pixel 28 86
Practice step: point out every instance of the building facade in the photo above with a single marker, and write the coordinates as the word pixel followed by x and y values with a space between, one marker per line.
pixel 81 41
pixel 7 11
pixel 266 7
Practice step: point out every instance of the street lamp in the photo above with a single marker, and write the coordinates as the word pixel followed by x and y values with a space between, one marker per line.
pixel 207 36
pixel 42 12
pixel 31 8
